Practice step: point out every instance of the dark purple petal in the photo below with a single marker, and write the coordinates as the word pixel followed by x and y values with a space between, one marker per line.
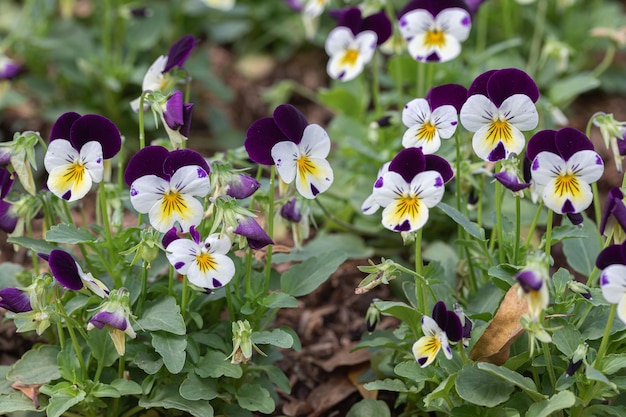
pixel 6 182
pixel 295 5
pixel 184 157
pixel 187 110
pixel 614 203
pixel 568 207
pixel 614 254
pixel 506 82
pixel 479 85
pixel 179 52
pixel 242 186
pixel 510 181
pixel 572 367
pixel 542 141
pixel 173 114
pixel 349 17
pixel 290 121
pixel 432 6
pixel 9 70
pixel 261 137
pixel 454 328
pixel 408 163
pixel 621 145
pixel 440 314
pixel 195 235
pixel 63 125
pixel 569 141
pixel 8 221
pixel 380 24
pixel 14 300
pixel 170 236
pixel 148 161
pixel 447 94
pixel 498 153
pixel 575 218
pixel 5 157
pixel 117 320
pixel 467 328
pixel 95 127
pixel 439 164
pixel 529 280
pixel 290 212
pixel 64 269
pixel 474 5
pixel 253 232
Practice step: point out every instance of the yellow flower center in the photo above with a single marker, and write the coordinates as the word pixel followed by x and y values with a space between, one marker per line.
pixel 173 202
pixel 426 132
pixel 435 38
pixel 74 174
pixel 205 262
pixel 349 57
pixel 567 184
pixel 408 206
pixel 305 166
pixel 499 130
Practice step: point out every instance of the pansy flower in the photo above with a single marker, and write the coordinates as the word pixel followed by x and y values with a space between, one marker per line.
pixel 612 262
pixel 8 68
pixel 165 185
pixel 8 219
pixel 114 315
pixel 509 176
pixel 500 105
pixel 351 44
pixel 434 29
pixel 69 274
pixel 298 149
pixel 444 327
pixel 253 232
pixel 613 220
pixel 614 134
pixel 78 146
pixel 14 300
pixel 176 117
pixel 290 212
pixel 563 166
pixel 203 262
pixel 533 285
pixel 413 184
pixel 432 118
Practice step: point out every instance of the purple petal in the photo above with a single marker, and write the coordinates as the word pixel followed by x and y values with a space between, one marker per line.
pixel 479 85
pixel 5 157
pixel 117 320
pixel 170 236
pixel 454 328
pixel 529 280
pixel 184 157
pixel 187 110
pixel 380 24
pixel 14 300
pixel 575 218
pixel 614 206
pixel 440 314
pixel 290 212
pixel 432 6
pixel 349 17
pixel 544 140
pixel 295 5
pixel 506 82
pixel 261 137
pixel 253 232
pixel 408 163
pixel 569 141
pixel 173 114
pixel 568 207
pixel 6 182
pixel 498 153
pixel 242 186
pixel 195 235
pixel 290 121
pixel 614 254
pixel 452 94
pixel 405 226
pixel 64 269
pixel 621 146
pixel 510 181
pixel 572 367
pixel 63 125
pixel 148 161
pixel 439 164
pixel 95 127
pixel 179 52
pixel 8 221
pixel 9 70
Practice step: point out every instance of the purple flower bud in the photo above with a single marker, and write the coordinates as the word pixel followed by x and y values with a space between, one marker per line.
pixel 65 269
pixel 8 68
pixel 179 52
pixel 529 280
pixel 253 232
pixel 116 319
pixel 242 186
pixel 289 211
pixel 14 300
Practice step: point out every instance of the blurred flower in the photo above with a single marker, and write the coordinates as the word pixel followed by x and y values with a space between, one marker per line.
pixel 444 327
pixel 9 68
pixel 220 4
pixel 69 274
pixel 617 35
pixel 474 5
pixel 579 288
pixel 613 220
pixel 74 159
pixel 8 218
pixel 310 11
pixel 413 184
pixel 242 342
pixel 434 29
pixel 499 107
pixel 351 44
pixel 533 285
pixel 14 300
pixel 203 262
pixel 164 185
pixel 372 316
pixel 432 118
pixel 114 315
pixel 19 156
pixel 176 117
pixel 563 166
pixel 614 134
pixel 612 262
pixel 255 235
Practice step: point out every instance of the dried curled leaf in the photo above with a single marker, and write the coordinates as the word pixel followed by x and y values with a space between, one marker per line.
pixel 494 345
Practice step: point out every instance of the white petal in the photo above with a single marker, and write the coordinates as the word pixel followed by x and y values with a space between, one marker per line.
pixel 154 76
pixel 425 350
pixel 91 156
pixel 393 185
pixel 477 112
pixel 416 112
pixel 446 120
pixel 587 165
pixel 546 166
pixel 60 152
pixel 418 48
pixel 220 245
pixel 315 142
pixel 187 212
pixel 520 111
pixel 64 178
pixel 415 22
pixel 613 283
pixel 285 155
pixel 485 140
pixel 449 50
pixel 338 40
pixel 621 309
pixel 366 43
pixel 223 272
pixel 455 21
pixel 191 180
pixel 430 326
pixel 370 206
pixel 181 254
pixel 412 138
pixel 555 197
pixel 405 215
pixel 147 191
pixel 429 187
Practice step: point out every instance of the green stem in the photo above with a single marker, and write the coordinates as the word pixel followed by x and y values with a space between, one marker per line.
pixel 144 289
pixel 378 111
pixel 533 226
pixel 548 236
pixel 270 227
pixel 499 230
pixel 107 231
pixel 596 205
pixel 420 285
pixel 421 75
pixel 606 61
pixel 76 346
pixel 535 47
pixel 605 338
pixel 142 129
pixel 549 367
pixel 518 228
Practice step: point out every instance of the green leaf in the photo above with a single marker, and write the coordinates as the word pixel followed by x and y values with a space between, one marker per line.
pixel 612 363
pixel 566 231
pixel 304 278
pixel 101 390
pixel 102 347
pixel 567 339
pixel 470 227
pixel 277 377
pixel 560 401
pixel 581 253
pixel 68 233
pixel 567 89
pixel 353 246
pixel 442 391
pixel 37 366
pixel 279 300
pixel 196 388
pixel 15 401
pixel 254 397
pixel 604 410
pixel 172 350
pixel 275 337
pixel 163 315
pixel 149 362
pixel 413 371
pixel 513 377
pixel 167 396
pixel 387 384
pixel 36 245
pixel 595 375
pixel 214 364
pixel 63 399
pixel 8 271
pixel 481 387
pixel 401 311
pixel 369 408
pixel 126 387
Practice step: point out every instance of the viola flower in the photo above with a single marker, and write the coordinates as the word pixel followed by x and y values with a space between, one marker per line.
pixel 612 262
pixel 465 322
pixel 223 5
pixel 298 149
pixel 533 285
pixel 290 212
pixel 165 185
pixel 444 327
pixel 614 211
pixel 69 274
pixel 8 68
pixel 14 300
pixel 500 106
pixel 563 166
pixel 614 134
pixel 413 184
pixel 114 315
pixel 434 29
pixel 8 219
pixel 204 262
pixel 310 10
pixel 242 186
pixel 433 118
pixel 249 228
pixel 78 146
pixel 352 43
pixel 509 176
pixel 176 117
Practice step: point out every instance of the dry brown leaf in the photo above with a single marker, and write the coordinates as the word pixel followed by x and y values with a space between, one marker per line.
pixel 345 357
pixel 30 390
pixel 494 346
pixel 324 397
pixel 354 374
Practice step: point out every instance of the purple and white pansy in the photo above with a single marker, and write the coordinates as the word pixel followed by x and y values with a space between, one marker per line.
pixel 444 327
pixel 78 146
pixel 165 185
pixel 69 274
pixel 500 106
pixel 533 284
pixel 612 262
pixel 114 315
pixel 434 29
pixel 563 166
pixel 352 43
pixel 613 220
pixel 433 118
pixel 14 300
pixel 176 117
pixel 413 184
pixel 203 262
pixel 297 148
